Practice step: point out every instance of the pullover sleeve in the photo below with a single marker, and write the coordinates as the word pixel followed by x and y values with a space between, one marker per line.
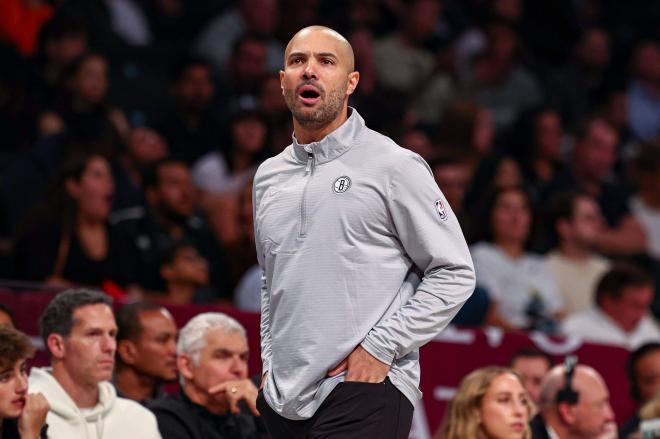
pixel 431 237
pixel 265 298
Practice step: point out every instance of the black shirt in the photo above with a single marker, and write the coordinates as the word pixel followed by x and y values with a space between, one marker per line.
pixel 180 418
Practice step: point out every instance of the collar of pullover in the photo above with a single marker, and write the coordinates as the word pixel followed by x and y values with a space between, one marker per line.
pixel 334 144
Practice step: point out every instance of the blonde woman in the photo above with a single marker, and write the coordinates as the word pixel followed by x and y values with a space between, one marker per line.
pixel 490 403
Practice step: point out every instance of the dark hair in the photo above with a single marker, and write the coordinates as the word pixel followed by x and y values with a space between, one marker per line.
pixel 561 207
pixel 485 214
pixel 151 176
pixel 57 318
pixel 14 346
pixel 181 66
pixel 5 309
pixel 59 207
pixel 530 352
pixel 62 24
pixel 619 277
pixel 631 367
pixel 129 326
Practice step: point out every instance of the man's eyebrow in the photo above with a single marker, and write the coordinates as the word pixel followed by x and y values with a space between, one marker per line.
pixel 293 54
pixel 326 55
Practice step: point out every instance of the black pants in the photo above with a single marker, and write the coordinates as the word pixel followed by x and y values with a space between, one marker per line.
pixel 352 410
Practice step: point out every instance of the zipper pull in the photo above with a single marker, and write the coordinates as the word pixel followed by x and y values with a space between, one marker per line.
pixel 310 159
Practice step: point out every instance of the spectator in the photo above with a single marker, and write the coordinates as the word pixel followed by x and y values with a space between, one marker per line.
pixel 169 217
pixel 524 292
pixel 229 168
pixel 573 88
pixel 620 315
pixel 244 73
pixel 62 39
pixel 537 141
pixel 591 168
pixel 466 128
pixel 645 204
pixel 532 366
pixel 564 415
pixel 146 351
pixel 643 100
pixel 144 148
pixel 191 127
pixel 499 82
pixel 644 378
pixel 262 17
pixel 217 399
pixel 404 63
pixel 6 316
pixel 69 240
pixel 276 113
pixel 417 140
pixel 78 329
pixel 490 403
pixel 22 414
pixel 82 101
pixel 494 172
pixel 186 275
pixel 577 221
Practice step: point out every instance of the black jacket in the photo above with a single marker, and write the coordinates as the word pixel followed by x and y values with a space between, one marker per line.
pixel 539 430
pixel 9 430
pixel 180 418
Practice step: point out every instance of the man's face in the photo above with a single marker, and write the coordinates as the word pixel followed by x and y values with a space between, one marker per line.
pixel 596 153
pixel 223 358
pixel 587 221
pixel 156 345
pixel 317 78
pixel 632 306
pixel 89 350
pixel 593 412
pixel 532 370
pixel 647 371
pixel 175 191
pixel 195 89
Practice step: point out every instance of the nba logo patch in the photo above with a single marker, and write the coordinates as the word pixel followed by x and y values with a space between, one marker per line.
pixel 440 207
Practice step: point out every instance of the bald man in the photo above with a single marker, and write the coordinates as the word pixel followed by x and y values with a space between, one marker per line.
pixel 363 260
pixel 590 417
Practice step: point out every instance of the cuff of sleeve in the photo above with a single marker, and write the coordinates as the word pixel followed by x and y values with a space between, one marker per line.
pixel 378 352
pixel 265 366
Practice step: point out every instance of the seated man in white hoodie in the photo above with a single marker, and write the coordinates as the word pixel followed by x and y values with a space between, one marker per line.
pixel 621 313
pixel 78 328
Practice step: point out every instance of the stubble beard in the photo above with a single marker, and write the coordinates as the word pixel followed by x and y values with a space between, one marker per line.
pixel 327 111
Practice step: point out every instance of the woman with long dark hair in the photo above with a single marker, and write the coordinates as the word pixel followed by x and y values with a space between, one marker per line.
pixel 68 238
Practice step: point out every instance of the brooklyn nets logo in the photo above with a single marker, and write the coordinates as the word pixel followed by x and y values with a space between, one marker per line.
pixel 341 184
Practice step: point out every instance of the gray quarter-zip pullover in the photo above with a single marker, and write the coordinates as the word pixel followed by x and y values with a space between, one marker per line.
pixel 345 228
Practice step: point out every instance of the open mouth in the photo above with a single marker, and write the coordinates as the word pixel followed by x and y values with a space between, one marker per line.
pixel 309 94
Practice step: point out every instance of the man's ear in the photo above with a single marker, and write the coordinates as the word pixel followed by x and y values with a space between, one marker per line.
pixel 282 80
pixel 185 365
pixel 56 346
pixel 566 414
pixel 127 351
pixel 353 79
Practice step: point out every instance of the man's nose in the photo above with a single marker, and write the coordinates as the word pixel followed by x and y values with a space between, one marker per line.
pixel 310 70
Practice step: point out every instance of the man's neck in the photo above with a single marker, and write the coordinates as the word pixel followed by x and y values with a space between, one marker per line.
pixel 85 395
pixel 513 249
pixel 571 250
pixel 306 133
pixel 134 385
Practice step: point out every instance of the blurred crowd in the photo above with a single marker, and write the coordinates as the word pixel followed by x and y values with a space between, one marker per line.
pixel 130 131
